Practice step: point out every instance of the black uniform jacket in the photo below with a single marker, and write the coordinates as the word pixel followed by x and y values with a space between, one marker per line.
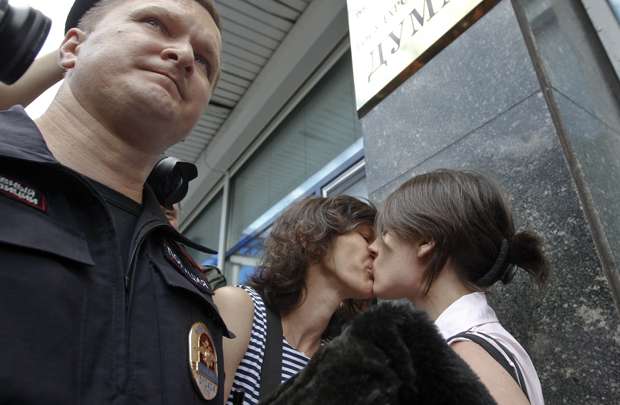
pixel 75 326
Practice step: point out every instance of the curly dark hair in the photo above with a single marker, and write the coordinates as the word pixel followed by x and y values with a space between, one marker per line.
pixel 301 236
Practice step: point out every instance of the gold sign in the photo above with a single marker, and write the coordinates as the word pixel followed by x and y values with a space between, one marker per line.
pixel 392 38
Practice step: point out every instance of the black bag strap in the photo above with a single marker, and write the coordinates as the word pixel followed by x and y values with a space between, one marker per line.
pixel 271 370
pixel 237 397
pixel 515 372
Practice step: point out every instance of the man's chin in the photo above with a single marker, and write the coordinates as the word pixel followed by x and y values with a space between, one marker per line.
pixel 161 115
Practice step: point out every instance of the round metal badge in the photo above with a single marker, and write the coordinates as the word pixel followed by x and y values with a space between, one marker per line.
pixel 203 360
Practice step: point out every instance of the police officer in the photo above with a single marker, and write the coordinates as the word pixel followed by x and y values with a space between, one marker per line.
pixel 99 303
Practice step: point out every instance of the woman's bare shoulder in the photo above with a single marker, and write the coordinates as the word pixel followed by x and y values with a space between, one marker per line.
pixel 500 384
pixel 232 295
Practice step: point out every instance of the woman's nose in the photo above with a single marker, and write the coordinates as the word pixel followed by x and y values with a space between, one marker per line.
pixel 373 248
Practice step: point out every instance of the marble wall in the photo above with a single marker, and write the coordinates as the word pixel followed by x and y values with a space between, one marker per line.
pixel 479 105
pixel 584 91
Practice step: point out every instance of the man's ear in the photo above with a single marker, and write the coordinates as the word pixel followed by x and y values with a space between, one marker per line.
pixel 69 48
pixel 425 248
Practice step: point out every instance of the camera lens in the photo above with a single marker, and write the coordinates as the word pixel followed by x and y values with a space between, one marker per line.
pixel 22 34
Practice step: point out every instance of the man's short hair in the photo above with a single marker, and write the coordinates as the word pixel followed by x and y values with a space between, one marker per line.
pixel 85 13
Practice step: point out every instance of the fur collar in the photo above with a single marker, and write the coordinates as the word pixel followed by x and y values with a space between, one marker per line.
pixel 391 354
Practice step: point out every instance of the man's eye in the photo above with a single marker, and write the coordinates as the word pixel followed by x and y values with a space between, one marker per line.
pixel 202 61
pixel 155 23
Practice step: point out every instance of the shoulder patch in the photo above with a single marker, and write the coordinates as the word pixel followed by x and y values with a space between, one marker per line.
pixel 23 193
pixel 189 272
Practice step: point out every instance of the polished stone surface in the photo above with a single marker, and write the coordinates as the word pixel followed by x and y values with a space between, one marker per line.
pixel 486 71
pixel 596 148
pixel 478 105
pixel 574 62
pixel 571 327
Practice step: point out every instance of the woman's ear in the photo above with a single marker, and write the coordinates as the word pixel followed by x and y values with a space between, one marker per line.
pixel 69 48
pixel 425 248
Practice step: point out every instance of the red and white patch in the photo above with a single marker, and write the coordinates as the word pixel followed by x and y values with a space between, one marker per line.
pixel 191 274
pixel 20 191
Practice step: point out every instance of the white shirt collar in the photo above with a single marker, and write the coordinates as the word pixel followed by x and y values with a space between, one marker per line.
pixel 465 313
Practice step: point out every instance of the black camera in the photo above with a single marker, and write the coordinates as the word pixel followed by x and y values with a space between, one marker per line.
pixel 22 34
pixel 170 180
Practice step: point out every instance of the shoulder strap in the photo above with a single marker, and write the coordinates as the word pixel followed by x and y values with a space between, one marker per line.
pixel 515 372
pixel 271 370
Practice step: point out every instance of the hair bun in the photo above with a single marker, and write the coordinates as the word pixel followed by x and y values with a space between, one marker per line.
pixel 526 252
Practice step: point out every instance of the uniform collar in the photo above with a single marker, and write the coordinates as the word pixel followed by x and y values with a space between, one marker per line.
pixel 153 212
pixel 469 311
pixel 20 137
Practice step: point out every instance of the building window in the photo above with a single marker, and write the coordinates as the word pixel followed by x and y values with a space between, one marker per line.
pixel 317 130
pixel 352 182
pixel 312 148
pixel 205 230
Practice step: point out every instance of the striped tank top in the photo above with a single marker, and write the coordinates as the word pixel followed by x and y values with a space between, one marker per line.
pixel 247 376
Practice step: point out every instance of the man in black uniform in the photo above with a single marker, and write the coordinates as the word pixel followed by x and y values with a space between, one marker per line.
pixel 99 304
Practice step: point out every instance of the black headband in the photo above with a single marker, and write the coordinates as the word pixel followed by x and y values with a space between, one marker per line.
pixel 501 269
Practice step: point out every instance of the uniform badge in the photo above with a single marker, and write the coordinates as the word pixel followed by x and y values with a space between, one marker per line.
pixel 203 360
pixel 19 191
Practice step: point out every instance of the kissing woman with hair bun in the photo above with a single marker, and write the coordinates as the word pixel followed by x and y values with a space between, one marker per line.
pixel 444 238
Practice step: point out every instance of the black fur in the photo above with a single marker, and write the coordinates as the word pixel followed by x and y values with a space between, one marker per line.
pixel 392 354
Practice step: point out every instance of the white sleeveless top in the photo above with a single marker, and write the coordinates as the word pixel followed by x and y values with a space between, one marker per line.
pixel 247 376
pixel 471 313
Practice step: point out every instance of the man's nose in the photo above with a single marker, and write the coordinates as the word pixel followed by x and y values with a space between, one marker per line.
pixel 182 54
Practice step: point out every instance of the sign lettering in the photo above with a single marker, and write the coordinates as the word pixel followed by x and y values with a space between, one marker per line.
pixel 388 36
